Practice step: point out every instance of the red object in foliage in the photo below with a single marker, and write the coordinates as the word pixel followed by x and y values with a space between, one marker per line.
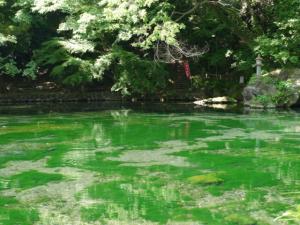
pixel 187 70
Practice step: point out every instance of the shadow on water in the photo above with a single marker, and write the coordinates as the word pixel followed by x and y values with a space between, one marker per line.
pixel 46 108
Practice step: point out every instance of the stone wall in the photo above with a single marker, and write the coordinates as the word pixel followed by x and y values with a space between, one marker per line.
pixel 91 96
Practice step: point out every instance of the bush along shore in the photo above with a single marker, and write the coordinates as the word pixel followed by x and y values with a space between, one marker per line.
pixel 277 89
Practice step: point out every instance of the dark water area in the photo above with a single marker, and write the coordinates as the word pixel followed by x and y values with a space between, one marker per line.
pixel 148 164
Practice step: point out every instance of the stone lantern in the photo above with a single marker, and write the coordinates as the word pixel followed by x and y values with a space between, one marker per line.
pixel 258 65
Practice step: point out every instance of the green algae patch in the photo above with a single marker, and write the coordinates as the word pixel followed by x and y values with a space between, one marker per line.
pixel 206 179
pixel 32 178
pixel 4 201
pixel 236 219
pixel 13 213
pixel 37 128
pixel 118 197
pixel 13 216
pixel 92 213
pixel 207 168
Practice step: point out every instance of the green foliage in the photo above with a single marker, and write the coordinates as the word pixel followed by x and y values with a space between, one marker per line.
pixel 134 75
pixel 284 90
pixel 90 34
pixel 264 100
pixel 77 42
pixel 197 82
pixel 280 45
pixel 5 39
pixel 63 66
pixel 16 22
pixel 30 70
pixel 265 79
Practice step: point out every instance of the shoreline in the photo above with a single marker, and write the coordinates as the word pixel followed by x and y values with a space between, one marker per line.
pixel 93 96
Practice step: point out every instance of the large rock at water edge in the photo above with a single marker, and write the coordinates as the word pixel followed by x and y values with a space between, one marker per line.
pixel 280 88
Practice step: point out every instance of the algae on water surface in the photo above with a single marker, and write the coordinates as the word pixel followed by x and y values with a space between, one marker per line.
pixel 128 167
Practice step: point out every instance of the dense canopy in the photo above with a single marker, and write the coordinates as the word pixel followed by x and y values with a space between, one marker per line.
pixel 133 43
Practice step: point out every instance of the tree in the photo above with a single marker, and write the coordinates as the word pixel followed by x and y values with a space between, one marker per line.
pixel 279 44
pixel 80 41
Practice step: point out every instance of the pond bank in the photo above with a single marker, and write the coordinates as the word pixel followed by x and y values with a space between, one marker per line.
pixel 92 96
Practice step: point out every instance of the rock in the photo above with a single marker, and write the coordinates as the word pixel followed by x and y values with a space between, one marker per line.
pixel 217 100
pixel 47 86
pixel 216 106
pixel 279 88
pixel 206 179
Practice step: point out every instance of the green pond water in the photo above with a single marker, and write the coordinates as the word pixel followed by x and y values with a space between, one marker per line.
pixel 135 166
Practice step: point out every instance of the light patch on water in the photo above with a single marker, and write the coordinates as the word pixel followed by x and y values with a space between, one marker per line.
pixel 79 157
pixel 226 135
pixel 17 147
pixel 145 222
pixel 184 223
pixel 129 222
pixel 264 135
pixel 292 129
pixel 240 133
pixel 143 187
pixel 85 201
pixel 235 202
pixel 161 156
pixel 205 120
pixel 210 201
pixel 108 149
pixel 262 215
pixel 98 135
pixel 273 196
pixel 150 158
pixel 56 201
pixel 120 114
pixel 115 214
pixel 16 167
pixel 52 218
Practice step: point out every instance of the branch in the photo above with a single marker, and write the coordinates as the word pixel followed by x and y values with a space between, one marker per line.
pixel 166 53
pixel 184 14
